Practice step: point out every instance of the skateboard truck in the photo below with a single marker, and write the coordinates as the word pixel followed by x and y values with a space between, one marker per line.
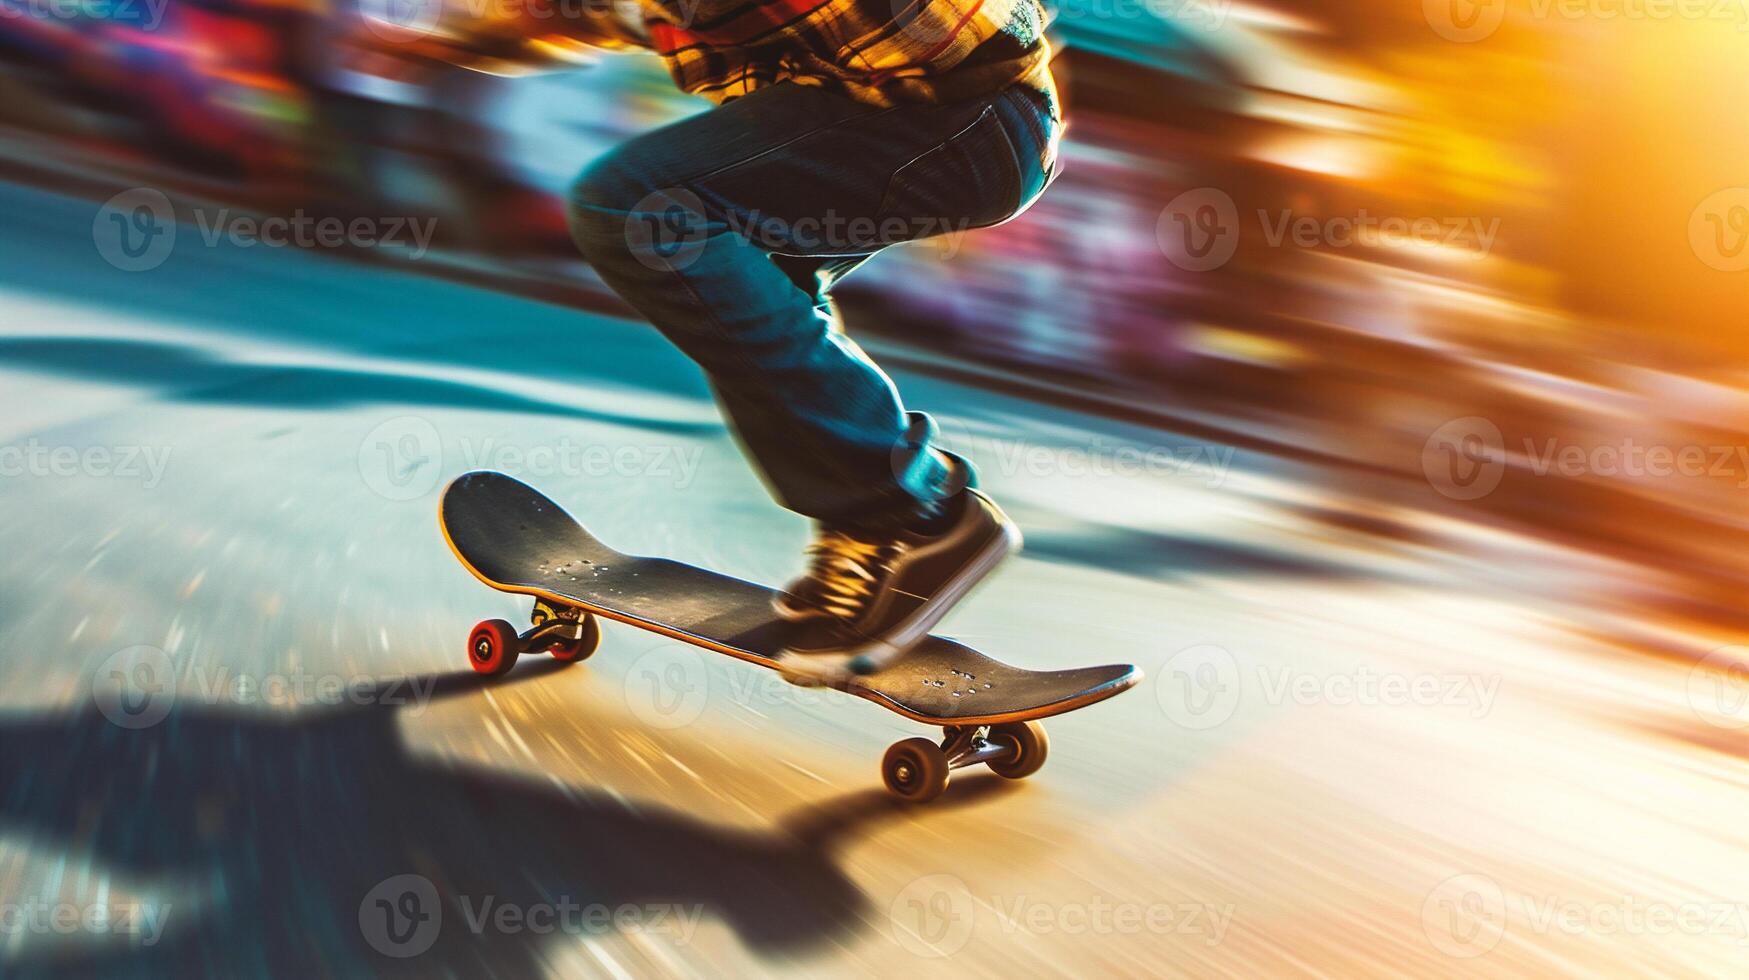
pixel 568 633
pixel 916 769
pixel 971 745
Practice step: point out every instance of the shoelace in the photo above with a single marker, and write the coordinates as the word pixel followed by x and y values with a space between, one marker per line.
pixel 843 568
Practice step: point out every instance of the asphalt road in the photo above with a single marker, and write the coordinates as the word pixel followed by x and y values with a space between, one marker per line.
pixel 239 737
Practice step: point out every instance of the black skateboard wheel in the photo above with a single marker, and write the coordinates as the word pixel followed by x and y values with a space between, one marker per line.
pixel 571 651
pixel 493 647
pixel 1029 744
pixel 915 770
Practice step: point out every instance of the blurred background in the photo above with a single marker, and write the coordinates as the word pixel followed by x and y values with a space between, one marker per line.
pixel 1456 291
pixel 1424 209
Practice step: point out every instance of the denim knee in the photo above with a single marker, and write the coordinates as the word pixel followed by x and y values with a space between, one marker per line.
pixel 617 213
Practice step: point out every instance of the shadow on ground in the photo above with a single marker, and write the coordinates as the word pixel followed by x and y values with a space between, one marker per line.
pixel 283 828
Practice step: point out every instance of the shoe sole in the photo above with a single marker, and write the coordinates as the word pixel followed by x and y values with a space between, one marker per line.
pixel 805 670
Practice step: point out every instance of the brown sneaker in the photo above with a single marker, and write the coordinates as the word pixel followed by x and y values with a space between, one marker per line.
pixel 869 596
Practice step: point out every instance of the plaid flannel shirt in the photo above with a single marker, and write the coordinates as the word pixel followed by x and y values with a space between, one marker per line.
pixel 881 52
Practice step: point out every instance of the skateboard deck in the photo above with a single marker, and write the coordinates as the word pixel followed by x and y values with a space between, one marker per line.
pixel 514 539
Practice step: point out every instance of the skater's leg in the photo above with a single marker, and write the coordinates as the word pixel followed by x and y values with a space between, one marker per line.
pixel 682 223
pixel 724 230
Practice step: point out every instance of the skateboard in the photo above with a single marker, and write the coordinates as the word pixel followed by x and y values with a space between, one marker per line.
pixel 515 540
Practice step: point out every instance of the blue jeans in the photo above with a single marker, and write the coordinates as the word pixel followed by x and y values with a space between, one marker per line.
pixel 727 230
